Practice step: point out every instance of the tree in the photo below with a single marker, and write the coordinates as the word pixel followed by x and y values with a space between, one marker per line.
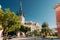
pixel 9 22
pixel 24 29
pixel 45 29
pixel 36 33
pixel 1 16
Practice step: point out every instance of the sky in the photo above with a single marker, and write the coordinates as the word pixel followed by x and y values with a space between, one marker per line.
pixel 36 10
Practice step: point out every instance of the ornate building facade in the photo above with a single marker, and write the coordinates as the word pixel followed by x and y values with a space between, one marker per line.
pixel 32 25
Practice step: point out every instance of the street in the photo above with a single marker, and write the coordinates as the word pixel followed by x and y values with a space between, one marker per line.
pixel 35 39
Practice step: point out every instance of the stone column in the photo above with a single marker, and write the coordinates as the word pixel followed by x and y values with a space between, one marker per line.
pixel 23 34
pixel 1 34
pixel 18 34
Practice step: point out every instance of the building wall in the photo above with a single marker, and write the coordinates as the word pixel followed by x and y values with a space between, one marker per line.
pixel 57 9
pixel 32 25
pixel 22 19
pixel 58 21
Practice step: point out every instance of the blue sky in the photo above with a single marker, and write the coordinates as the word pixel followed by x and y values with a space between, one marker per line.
pixel 36 10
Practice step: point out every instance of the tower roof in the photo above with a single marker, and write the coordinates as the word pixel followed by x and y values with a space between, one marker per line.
pixel 20 9
pixel 20 5
pixel 57 5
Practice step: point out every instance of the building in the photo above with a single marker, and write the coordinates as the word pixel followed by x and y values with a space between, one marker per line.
pixel 32 25
pixel 57 9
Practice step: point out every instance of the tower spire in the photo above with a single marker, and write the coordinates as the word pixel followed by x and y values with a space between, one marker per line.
pixel 21 16
pixel 20 11
pixel 20 5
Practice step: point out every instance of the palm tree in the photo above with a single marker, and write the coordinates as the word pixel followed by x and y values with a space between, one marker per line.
pixel 45 29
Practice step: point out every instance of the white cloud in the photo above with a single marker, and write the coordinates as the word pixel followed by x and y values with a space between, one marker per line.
pixel 52 26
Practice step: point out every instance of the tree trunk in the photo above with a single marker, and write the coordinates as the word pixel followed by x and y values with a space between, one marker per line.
pixel 5 33
pixel 5 37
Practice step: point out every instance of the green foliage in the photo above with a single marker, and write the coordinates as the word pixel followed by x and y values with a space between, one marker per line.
pixel 1 15
pixel 9 21
pixel 55 34
pixel 44 25
pixel 36 33
pixel 45 29
pixel 24 29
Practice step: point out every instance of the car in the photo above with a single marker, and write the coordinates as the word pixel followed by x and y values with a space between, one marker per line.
pixel 9 37
pixel 14 36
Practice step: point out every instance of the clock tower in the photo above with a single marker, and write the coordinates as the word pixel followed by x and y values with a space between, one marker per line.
pixel 57 9
pixel 21 16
